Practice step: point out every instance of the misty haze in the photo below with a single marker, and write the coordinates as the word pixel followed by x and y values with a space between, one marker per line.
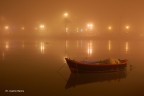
pixel 37 35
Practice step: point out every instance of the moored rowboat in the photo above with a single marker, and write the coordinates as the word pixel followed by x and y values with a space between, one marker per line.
pixel 97 66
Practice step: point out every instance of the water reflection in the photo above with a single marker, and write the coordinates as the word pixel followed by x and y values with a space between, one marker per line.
pixel 23 44
pixel 66 48
pixel 80 79
pixel 42 47
pixel 79 43
pixel 87 49
pixel 90 48
pixel 66 44
pixel 127 47
pixel 7 46
pixel 83 47
pixel 109 45
pixel 3 55
pixel 24 55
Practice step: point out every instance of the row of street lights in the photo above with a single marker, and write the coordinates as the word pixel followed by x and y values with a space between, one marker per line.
pixel 42 27
pixel 89 26
pixel 126 27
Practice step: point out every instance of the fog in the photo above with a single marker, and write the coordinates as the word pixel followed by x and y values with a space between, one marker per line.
pixel 37 35
pixel 102 13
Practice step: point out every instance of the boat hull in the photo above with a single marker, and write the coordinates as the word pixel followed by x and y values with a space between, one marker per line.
pixel 78 67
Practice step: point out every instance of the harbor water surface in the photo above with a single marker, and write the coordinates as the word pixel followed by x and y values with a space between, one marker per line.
pixel 38 67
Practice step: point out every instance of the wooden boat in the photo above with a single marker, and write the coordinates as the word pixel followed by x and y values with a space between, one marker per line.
pixel 97 66
pixel 88 78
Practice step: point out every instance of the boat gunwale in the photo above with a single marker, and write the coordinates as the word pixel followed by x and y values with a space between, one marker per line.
pixel 95 64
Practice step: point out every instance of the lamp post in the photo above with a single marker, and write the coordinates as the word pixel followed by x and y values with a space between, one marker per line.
pixel 66 15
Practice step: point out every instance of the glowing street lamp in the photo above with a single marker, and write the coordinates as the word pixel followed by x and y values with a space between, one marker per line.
pixel 6 27
pixel 109 28
pixel 127 27
pixel 42 27
pixel 90 26
pixel 66 14
pixel 22 28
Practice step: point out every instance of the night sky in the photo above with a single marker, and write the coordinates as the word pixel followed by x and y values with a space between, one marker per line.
pixel 81 11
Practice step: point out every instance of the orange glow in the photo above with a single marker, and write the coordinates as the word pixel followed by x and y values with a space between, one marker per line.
pixel 23 28
pixel 66 44
pixel 66 14
pixel 90 26
pixel 127 27
pixel 66 47
pixel 64 58
pixel 77 29
pixel 42 47
pixel 109 45
pixel 127 47
pixel 90 50
pixel 109 28
pixel 42 26
pixel 67 29
pixel 6 27
pixel 7 45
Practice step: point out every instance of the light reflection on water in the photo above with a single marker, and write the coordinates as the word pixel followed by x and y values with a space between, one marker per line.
pixel 38 67
pixel 7 45
pixel 127 47
pixel 42 47
pixel 90 49
pixel 109 45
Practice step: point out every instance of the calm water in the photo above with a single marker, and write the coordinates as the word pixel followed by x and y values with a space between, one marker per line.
pixel 38 67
